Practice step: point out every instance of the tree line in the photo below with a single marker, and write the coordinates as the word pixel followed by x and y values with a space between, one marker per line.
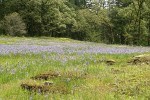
pixel 108 21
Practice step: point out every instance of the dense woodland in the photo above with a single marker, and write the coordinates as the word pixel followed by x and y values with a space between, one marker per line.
pixel 107 21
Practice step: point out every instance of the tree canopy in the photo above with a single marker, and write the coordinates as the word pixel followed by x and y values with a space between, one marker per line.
pixel 108 21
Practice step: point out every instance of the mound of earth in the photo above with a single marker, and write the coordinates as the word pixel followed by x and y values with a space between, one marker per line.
pixel 107 61
pixel 140 59
pixel 47 75
pixel 46 81
pixel 35 86
pixel 110 62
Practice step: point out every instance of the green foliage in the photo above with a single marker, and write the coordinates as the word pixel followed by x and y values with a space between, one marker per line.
pixel 13 25
pixel 85 76
pixel 111 21
pixel 129 22
pixel 78 3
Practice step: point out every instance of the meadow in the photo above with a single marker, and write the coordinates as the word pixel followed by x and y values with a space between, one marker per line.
pixel 65 69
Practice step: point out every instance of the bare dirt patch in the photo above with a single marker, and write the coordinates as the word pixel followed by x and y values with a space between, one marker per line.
pixel 33 86
pixel 53 81
pixel 140 59
pixel 46 75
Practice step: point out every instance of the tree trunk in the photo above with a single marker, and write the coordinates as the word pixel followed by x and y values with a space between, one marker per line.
pixel 148 34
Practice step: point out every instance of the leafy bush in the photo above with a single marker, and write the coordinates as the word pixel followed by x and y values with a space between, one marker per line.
pixel 13 25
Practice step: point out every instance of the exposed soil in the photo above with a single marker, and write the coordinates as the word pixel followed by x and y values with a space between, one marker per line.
pixel 41 83
pixel 110 62
pixel 45 88
pixel 46 75
pixel 141 59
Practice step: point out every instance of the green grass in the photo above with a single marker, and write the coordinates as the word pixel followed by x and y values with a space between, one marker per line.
pixel 121 81
pixel 13 40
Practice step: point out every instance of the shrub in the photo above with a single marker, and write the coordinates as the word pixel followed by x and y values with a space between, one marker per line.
pixel 13 25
